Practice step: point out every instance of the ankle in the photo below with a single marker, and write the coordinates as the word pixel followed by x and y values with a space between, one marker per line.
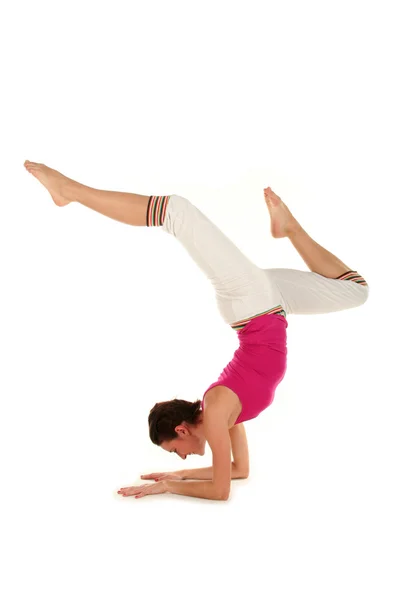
pixel 294 230
pixel 71 190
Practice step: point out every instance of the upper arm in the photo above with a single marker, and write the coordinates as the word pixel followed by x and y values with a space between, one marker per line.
pixel 217 435
pixel 240 449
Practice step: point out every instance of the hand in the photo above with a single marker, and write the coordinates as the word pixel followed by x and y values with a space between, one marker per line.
pixel 144 490
pixel 160 476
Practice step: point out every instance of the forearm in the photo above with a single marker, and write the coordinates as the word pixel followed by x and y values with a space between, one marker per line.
pixel 206 473
pixel 196 489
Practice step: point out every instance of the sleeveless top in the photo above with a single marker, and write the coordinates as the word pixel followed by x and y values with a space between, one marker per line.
pixel 258 365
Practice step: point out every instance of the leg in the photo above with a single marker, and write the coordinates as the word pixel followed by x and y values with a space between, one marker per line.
pixel 241 288
pixel 330 286
pixel 126 208
pixel 317 258
pixel 130 209
pixel 308 293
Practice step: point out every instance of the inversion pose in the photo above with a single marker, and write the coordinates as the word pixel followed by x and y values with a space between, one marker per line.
pixel 255 302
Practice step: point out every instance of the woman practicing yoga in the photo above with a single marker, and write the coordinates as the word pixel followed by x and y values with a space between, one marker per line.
pixel 253 301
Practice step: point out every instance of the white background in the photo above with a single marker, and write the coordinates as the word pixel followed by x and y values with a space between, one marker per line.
pixel 213 101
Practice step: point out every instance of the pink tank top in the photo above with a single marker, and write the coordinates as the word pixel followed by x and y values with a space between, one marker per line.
pixel 258 365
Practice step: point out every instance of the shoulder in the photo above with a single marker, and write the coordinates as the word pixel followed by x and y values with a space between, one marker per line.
pixel 215 401
pixel 221 402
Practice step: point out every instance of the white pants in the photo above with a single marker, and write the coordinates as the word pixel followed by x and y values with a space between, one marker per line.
pixel 243 290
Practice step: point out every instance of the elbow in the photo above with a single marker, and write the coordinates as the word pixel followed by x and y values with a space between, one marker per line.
pixel 224 495
pixel 221 493
pixel 240 471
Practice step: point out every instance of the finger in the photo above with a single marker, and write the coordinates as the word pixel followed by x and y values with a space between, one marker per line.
pixel 130 490
pixel 127 493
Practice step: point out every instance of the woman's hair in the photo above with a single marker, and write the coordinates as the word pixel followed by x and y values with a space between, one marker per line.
pixel 165 416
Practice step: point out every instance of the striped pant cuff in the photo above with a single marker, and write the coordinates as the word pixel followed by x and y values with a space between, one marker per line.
pixel 352 276
pixel 156 210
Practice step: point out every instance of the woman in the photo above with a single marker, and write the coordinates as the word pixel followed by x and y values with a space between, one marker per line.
pixel 253 301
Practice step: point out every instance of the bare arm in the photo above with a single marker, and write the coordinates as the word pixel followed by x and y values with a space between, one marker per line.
pixel 222 443
pixel 240 453
pixel 240 450
pixel 207 473
pixel 217 435
pixel 239 466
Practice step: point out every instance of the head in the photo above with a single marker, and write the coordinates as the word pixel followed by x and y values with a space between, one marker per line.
pixel 177 426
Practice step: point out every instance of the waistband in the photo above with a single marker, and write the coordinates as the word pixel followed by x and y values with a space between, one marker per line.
pixel 277 310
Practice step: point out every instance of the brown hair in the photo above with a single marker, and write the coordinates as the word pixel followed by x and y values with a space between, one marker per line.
pixel 165 416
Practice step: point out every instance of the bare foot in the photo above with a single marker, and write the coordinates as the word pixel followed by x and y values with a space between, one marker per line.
pixel 55 183
pixel 282 221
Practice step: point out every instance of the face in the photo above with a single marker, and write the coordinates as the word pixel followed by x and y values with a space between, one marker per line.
pixel 190 440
